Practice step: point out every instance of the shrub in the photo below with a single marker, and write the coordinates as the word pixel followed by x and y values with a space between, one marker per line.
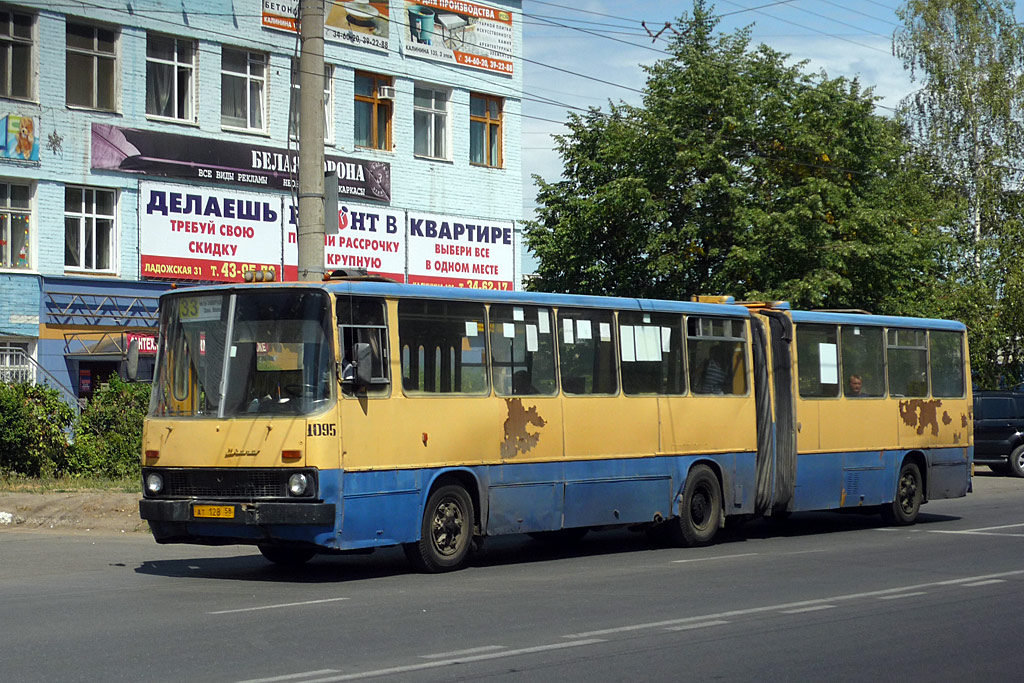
pixel 108 434
pixel 34 426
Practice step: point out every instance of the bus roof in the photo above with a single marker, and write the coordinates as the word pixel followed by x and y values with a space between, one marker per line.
pixel 876 320
pixel 733 310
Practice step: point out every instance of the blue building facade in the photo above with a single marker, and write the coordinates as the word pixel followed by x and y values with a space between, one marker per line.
pixel 155 142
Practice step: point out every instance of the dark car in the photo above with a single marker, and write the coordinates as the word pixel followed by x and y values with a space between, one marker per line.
pixel 999 431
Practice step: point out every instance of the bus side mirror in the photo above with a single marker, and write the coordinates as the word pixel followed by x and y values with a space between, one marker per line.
pixel 132 361
pixel 364 364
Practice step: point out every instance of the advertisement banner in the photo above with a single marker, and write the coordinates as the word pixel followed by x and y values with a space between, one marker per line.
pixel 193 233
pixel 147 342
pixel 461 252
pixel 459 32
pixel 130 150
pixel 349 22
pixel 368 238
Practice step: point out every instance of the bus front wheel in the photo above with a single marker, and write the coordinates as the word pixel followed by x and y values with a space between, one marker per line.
pixel 700 513
pixel 909 494
pixel 446 533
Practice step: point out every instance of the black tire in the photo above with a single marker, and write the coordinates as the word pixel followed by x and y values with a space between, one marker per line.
pixel 1015 463
pixel 287 557
pixel 909 493
pixel 559 537
pixel 700 512
pixel 446 533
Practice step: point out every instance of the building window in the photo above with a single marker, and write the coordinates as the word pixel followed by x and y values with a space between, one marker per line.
pixel 170 69
pixel 374 95
pixel 430 123
pixel 16 54
pixel 243 85
pixel 89 238
pixel 485 130
pixel 15 222
pixel 91 80
pixel 293 119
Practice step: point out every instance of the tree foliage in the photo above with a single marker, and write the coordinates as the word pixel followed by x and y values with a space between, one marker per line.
pixel 969 58
pixel 744 175
pixel 34 427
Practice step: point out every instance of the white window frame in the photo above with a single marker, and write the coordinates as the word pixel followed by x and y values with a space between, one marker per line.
pixel 294 104
pixel 7 257
pixel 95 56
pixel 251 57
pixel 7 43
pixel 432 114
pixel 178 68
pixel 90 212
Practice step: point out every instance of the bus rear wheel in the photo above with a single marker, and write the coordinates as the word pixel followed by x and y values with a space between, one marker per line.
pixel 700 513
pixel 287 557
pixel 909 494
pixel 446 533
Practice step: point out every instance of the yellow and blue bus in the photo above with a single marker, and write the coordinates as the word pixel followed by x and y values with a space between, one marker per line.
pixel 356 413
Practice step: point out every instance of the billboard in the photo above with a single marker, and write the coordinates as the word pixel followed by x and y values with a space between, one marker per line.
pixel 368 238
pixel 461 252
pixel 348 22
pixel 459 32
pixel 213 235
pixel 187 157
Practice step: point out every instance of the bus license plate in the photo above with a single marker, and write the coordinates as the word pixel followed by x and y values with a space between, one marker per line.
pixel 213 511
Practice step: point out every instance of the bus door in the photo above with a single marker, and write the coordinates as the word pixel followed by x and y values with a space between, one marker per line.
pixel 776 456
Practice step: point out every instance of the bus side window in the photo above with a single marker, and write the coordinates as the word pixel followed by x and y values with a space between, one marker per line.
pixel 817 358
pixel 522 350
pixel 443 347
pixel 652 353
pixel 947 364
pixel 362 320
pixel 716 355
pixel 863 361
pixel 907 352
pixel 586 352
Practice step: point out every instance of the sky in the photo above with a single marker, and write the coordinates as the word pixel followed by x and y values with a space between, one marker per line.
pixel 604 39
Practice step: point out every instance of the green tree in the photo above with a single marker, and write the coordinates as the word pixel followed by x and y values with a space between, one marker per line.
pixel 969 58
pixel 739 174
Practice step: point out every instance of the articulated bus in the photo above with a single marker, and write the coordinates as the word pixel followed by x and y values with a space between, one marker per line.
pixel 356 413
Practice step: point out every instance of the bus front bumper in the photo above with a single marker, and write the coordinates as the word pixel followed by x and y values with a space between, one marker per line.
pixel 243 514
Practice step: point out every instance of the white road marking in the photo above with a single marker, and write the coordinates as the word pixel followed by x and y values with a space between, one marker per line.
pixel 717 557
pixel 291 677
pixel 973 533
pixel 902 595
pixel 792 605
pixel 1003 526
pixel 813 608
pixel 457 660
pixel 459 653
pixel 286 604
pixel 702 624
pixel 985 583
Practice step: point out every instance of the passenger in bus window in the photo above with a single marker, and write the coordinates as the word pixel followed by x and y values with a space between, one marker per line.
pixel 522 383
pixel 715 374
pixel 856 386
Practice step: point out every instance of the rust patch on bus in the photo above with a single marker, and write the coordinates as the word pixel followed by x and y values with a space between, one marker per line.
pixel 946 419
pixel 517 438
pixel 921 414
pixel 963 420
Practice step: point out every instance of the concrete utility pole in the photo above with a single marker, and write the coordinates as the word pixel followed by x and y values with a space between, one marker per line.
pixel 310 229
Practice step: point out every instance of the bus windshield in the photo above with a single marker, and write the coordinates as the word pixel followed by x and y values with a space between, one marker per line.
pixel 247 353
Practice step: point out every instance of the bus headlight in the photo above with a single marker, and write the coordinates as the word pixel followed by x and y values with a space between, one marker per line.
pixel 154 483
pixel 297 484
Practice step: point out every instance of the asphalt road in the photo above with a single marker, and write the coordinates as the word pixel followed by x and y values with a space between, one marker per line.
pixel 820 597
